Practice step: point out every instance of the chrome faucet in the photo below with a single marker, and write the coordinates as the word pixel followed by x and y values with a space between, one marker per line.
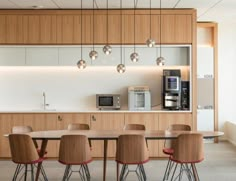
pixel 44 101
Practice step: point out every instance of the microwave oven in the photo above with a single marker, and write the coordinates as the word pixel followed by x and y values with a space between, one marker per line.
pixel 108 101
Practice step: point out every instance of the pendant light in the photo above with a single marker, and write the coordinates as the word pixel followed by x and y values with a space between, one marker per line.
pixel 81 64
pixel 107 48
pixel 150 42
pixel 160 60
pixel 134 56
pixel 93 54
pixel 121 67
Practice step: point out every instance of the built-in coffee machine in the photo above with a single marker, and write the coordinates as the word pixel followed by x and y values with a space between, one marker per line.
pixel 171 89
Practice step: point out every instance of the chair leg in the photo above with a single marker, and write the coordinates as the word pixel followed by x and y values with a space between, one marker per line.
pixel 87 172
pixel 122 173
pixel 167 170
pixel 143 173
pixel 16 172
pixel 66 173
pixel 26 166
pixel 32 172
pixel 117 171
pixel 44 173
pixel 195 173
pixel 174 171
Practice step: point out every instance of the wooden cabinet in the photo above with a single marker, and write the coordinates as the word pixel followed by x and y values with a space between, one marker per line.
pixel 165 120
pixel 106 121
pixel 100 27
pixel 48 29
pixel 2 29
pixel 176 29
pixel 151 123
pixel 14 29
pixel 113 29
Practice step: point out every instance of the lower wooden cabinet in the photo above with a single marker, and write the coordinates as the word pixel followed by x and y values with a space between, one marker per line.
pixel 97 121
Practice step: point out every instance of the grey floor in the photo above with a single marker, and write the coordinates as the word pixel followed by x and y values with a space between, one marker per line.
pixel 219 165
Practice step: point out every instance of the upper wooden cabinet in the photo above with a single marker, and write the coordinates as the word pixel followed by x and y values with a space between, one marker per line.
pixel 64 27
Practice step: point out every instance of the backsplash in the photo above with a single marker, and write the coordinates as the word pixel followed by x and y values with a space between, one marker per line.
pixel 68 88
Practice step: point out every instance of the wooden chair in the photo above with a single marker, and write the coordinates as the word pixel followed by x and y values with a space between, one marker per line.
pixel 169 144
pixel 131 149
pixel 188 149
pixel 24 153
pixel 134 127
pixel 79 126
pixel 74 150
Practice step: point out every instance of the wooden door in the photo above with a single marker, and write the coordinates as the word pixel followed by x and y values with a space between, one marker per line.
pixel 100 27
pixel 165 120
pixel 106 121
pixel 151 123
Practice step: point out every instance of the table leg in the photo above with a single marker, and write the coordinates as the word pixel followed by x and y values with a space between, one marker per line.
pixel 105 160
pixel 117 171
pixel 41 154
pixel 195 172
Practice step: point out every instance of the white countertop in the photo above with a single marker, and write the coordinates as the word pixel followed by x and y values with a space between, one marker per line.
pixel 91 111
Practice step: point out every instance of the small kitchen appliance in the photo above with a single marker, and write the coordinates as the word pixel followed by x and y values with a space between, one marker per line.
pixel 139 98
pixel 108 101
pixel 171 89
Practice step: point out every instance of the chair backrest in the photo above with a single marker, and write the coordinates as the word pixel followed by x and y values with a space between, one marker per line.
pixel 22 129
pixel 189 148
pixel 134 127
pixel 22 148
pixel 176 127
pixel 74 149
pixel 131 149
pixel 78 126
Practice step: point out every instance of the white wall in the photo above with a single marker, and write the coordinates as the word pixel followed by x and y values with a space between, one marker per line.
pixel 227 73
pixel 69 88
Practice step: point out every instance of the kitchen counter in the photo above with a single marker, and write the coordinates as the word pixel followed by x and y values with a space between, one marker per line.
pixel 91 111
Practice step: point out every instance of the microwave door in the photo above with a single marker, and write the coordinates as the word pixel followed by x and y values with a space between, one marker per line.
pixel 106 101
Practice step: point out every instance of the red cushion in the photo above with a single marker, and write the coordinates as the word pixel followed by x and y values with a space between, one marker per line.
pixel 145 161
pixel 178 161
pixel 82 163
pixel 168 151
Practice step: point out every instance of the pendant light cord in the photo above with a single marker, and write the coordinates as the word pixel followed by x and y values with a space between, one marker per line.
pixel 81 20
pixel 93 25
pixel 134 29
pixel 160 28
pixel 121 31
pixel 150 20
pixel 107 22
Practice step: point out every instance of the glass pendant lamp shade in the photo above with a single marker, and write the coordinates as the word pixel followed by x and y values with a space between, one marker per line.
pixel 134 57
pixel 160 61
pixel 150 42
pixel 93 54
pixel 81 64
pixel 120 68
pixel 107 49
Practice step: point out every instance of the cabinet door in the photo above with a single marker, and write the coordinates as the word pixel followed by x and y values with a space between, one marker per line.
pixel 128 29
pixel 33 29
pixel 12 56
pixel 7 121
pixel 100 25
pixel 151 123
pixel 142 28
pixel 165 120
pixel 47 29
pixel 176 29
pixel 106 121
pixel 2 29
pixel 65 26
pixel 14 29
pixel 66 118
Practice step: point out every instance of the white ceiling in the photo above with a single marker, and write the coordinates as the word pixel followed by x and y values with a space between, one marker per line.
pixel 207 10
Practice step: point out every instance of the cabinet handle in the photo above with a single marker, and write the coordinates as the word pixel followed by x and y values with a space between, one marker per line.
pixel 93 118
pixel 59 118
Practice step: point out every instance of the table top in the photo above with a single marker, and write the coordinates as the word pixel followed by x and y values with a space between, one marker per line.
pixel 114 134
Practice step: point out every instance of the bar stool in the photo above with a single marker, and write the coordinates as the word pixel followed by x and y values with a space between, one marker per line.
pixel 24 153
pixel 131 150
pixel 168 146
pixel 188 149
pixel 74 150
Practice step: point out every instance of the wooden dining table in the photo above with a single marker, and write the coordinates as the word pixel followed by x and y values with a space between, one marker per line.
pixel 107 135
